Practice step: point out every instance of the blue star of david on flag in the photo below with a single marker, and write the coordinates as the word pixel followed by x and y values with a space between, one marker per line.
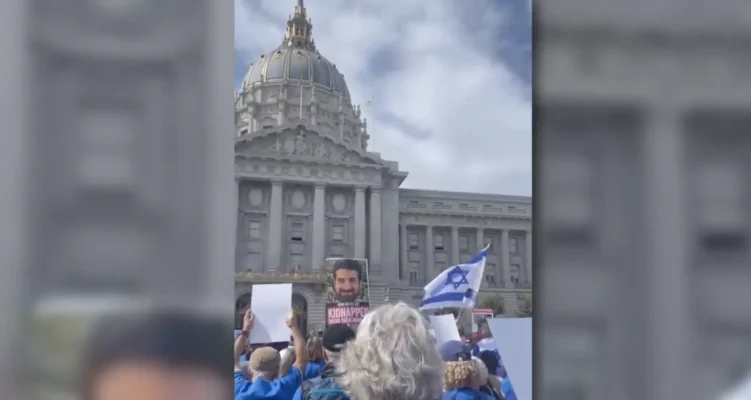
pixel 457 277
pixel 456 286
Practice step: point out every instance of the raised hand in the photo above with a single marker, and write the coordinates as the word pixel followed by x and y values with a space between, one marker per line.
pixel 248 320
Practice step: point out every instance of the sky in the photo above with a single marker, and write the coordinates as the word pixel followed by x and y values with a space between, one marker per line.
pixel 450 81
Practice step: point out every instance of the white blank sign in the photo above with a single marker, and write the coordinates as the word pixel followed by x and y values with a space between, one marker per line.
pixel 513 336
pixel 270 305
pixel 444 327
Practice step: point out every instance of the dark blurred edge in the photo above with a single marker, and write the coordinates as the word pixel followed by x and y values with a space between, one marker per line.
pixel 18 300
pixel 658 285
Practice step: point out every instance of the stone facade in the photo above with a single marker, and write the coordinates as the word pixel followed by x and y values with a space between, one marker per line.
pixel 309 189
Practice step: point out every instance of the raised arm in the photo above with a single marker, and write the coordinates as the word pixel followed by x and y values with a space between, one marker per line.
pixel 241 343
pixel 301 350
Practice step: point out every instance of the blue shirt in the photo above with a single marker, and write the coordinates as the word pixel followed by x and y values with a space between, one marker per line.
pixel 507 389
pixel 313 369
pixel 282 388
pixel 465 394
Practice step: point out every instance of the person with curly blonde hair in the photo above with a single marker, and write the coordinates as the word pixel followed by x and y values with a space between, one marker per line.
pixel 460 376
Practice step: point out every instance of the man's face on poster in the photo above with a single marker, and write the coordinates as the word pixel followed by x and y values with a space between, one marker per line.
pixel 346 285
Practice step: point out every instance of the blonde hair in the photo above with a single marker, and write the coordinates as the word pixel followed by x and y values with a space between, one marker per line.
pixel 480 373
pixel 458 374
pixel 315 348
pixel 287 360
pixel 393 357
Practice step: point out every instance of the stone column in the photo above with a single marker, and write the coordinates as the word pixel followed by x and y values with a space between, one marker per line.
pixel 430 255
pixel 455 245
pixel 375 230
pixel 480 240
pixel 505 258
pixel 360 224
pixel 275 227
pixel 528 258
pixel 404 254
pixel 239 226
pixel 318 252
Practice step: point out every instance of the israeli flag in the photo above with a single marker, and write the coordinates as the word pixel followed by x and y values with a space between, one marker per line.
pixel 457 286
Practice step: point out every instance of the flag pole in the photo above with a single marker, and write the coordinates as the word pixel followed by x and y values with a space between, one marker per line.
pixel 459 316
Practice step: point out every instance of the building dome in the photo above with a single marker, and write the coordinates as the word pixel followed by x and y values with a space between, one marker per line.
pixel 293 64
pixel 297 60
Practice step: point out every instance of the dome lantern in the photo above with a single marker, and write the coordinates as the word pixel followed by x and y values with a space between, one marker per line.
pixel 299 29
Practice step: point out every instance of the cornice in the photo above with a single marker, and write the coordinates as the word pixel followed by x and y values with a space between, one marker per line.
pixel 484 221
pixel 449 195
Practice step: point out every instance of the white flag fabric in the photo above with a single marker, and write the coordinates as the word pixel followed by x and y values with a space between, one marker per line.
pixel 457 286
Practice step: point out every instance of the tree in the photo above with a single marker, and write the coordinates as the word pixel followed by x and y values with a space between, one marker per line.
pixel 494 303
pixel 524 306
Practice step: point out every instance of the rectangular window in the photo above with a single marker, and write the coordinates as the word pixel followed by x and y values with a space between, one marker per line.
pixel 438 242
pixel 297 232
pixel 490 269
pixel 414 256
pixel 488 240
pixel 515 272
pixel 414 272
pixel 254 229
pixel 512 245
pixel 464 242
pixel 253 261
pixel 414 242
pixel 490 278
pixel 338 250
pixel 296 262
pixel 414 277
pixel 337 233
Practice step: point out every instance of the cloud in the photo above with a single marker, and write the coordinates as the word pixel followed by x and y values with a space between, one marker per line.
pixel 450 81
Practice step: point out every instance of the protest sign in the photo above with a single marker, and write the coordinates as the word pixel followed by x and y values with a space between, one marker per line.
pixel 270 305
pixel 347 294
pixel 444 328
pixel 513 337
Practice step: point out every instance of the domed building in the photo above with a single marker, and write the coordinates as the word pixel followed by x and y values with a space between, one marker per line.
pixel 309 188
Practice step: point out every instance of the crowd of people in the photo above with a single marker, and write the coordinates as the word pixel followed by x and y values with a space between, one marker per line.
pixel 391 356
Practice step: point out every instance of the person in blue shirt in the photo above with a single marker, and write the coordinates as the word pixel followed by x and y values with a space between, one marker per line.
pixel 316 361
pixel 458 372
pixel 486 341
pixel 499 379
pixel 335 337
pixel 263 366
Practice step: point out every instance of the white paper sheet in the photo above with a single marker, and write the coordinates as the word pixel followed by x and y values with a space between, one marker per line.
pixel 513 336
pixel 444 327
pixel 270 305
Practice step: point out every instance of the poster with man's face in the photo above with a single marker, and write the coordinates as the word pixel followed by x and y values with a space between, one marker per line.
pixel 347 295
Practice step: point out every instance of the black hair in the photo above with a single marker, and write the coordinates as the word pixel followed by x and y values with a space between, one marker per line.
pixel 173 338
pixel 348 264
pixel 490 359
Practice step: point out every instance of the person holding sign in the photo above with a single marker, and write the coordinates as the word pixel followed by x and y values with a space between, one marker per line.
pixel 263 365
pixel 347 295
